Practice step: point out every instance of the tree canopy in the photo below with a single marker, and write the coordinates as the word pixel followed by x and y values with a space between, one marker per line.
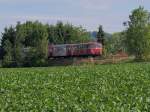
pixel 67 33
pixel 100 35
pixel 26 44
pixel 115 43
pixel 138 33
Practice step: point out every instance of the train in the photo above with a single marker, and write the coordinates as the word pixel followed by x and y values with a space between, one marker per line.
pixel 75 50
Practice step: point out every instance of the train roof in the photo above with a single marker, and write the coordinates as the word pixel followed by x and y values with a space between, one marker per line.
pixel 78 43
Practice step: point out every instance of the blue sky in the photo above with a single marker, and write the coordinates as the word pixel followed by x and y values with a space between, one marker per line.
pixel 88 13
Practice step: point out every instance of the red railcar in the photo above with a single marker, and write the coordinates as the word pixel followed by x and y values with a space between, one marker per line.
pixel 72 50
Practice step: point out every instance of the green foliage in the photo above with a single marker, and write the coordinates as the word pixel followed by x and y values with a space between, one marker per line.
pixel 138 33
pixel 32 35
pixel 34 58
pixel 67 34
pixel 100 35
pixel 107 88
pixel 35 37
pixel 7 60
pixel 11 45
pixel 116 43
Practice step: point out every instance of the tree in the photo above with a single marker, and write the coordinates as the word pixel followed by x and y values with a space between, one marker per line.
pixel 35 38
pixel 101 39
pixel 26 44
pixel 100 35
pixel 8 43
pixel 67 34
pixel 7 59
pixel 12 37
pixel 18 45
pixel 115 43
pixel 31 35
pixel 138 33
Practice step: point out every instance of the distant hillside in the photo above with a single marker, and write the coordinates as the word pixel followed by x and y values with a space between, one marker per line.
pixel 94 33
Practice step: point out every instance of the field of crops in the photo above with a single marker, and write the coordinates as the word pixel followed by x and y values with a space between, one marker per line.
pixel 90 88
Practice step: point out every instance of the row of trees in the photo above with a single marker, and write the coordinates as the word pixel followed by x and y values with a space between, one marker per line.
pixel 138 33
pixel 27 44
pixel 115 43
pixel 135 40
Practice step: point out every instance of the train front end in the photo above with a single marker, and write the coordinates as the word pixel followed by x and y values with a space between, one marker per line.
pixel 95 49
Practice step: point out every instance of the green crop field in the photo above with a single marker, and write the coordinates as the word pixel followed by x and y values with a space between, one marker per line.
pixel 88 88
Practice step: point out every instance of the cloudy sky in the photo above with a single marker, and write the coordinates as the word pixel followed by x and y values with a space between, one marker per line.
pixel 88 13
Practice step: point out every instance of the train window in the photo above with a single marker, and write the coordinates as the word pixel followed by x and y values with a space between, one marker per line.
pixel 78 47
pixel 86 46
pixel 92 46
pixel 99 45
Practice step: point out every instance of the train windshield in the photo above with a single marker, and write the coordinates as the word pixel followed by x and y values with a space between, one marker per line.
pixel 95 46
pixel 98 45
pixel 82 46
pixel 92 46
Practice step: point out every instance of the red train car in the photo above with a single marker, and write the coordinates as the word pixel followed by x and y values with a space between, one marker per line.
pixel 75 50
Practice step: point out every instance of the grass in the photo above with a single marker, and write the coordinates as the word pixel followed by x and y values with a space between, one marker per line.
pixel 88 88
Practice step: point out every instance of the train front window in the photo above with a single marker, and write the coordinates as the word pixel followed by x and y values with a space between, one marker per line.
pixel 92 46
pixel 99 45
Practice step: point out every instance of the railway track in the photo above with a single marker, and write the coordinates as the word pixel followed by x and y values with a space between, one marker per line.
pixel 85 60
